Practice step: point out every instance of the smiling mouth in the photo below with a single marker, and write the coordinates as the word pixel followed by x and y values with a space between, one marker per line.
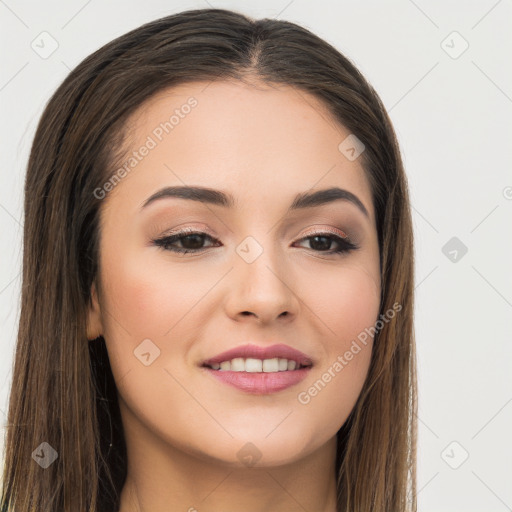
pixel 259 376
pixel 252 365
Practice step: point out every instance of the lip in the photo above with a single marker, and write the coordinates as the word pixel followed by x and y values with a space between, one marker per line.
pixel 260 383
pixel 254 351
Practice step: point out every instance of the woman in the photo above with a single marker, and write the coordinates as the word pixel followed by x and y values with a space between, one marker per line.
pixel 217 300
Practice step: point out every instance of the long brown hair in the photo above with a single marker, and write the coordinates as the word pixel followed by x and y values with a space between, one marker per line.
pixel 63 391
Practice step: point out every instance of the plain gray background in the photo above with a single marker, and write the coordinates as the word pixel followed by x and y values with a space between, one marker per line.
pixel 443 71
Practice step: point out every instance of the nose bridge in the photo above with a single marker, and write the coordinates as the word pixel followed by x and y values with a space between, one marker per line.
pixel 261 281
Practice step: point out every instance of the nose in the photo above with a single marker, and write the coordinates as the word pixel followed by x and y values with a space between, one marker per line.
pixel 262 290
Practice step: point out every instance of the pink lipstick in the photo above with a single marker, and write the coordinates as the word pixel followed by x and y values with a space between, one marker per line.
pixel 260 370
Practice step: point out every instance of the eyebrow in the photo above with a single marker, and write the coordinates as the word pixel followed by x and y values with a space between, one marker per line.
pixel 226 200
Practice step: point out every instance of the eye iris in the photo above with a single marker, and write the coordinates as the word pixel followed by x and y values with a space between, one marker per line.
pixel 197 241
pixel 320 246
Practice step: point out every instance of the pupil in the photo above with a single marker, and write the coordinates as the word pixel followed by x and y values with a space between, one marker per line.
pixel 320 246
pixel 196 241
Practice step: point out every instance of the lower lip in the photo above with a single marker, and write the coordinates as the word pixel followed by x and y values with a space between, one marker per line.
pixel 261 383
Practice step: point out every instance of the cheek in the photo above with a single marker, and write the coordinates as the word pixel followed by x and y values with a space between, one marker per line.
pixel 347 302
pixel 146 304
pixel 149 300
pixel 140 306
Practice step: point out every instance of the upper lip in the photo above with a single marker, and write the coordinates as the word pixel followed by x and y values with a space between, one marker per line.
pixel 254 351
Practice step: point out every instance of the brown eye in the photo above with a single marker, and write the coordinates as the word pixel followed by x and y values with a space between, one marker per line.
pixel 322 242
pixel 190 242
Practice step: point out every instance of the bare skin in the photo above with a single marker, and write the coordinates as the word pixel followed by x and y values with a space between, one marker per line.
pixel 185 430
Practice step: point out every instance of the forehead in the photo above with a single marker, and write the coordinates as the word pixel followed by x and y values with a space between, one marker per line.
pixel 251 138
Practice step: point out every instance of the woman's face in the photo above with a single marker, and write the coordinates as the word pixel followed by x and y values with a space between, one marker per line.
pixel 259 273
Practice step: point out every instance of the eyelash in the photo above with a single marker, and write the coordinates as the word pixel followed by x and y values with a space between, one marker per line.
pixel 345 245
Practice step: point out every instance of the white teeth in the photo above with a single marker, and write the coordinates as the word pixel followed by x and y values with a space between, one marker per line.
pixel 271 365
pixel 251 365
pixel 237 364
